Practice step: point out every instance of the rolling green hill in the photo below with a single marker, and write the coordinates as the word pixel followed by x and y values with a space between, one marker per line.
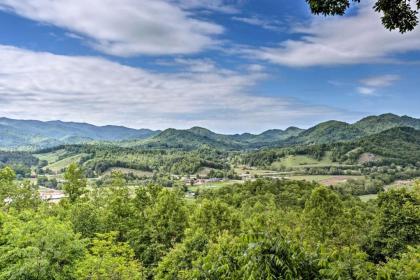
pixel 336 131
pixel 197 136
pixel 396 144
pixel 30 134
pixel 376 124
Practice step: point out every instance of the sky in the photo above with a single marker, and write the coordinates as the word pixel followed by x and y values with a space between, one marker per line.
pixel 228 65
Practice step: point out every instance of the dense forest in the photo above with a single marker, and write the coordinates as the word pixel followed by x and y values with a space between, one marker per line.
pixel 266 229
pixel 193 204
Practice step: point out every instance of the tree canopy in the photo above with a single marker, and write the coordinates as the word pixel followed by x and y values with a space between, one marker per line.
pixel 396 14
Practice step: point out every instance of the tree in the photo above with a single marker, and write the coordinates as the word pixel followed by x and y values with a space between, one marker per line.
pixel 405 268
pixel 397 225
pixel 119 210
pixel 7 185
pixel 179 262
pixel 109 259
pixel 397 14
pixel 213 217
pixel 159 226
pixel 322 213
pixel 345 263
pixel 76 183
pixel 33 246
pixel 25 196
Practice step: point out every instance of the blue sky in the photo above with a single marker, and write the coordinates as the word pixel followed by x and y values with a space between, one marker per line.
pixel 231 66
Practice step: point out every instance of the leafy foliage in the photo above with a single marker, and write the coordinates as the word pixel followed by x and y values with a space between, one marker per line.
pixel 397 14
pixel 108 259
pixel 263 229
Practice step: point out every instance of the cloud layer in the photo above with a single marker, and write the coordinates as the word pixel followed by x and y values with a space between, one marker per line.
pixel 47 86
pixel 370 85
pixel 127 27
pixel 355 39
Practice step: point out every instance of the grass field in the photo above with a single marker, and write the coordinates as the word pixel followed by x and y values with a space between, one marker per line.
pixel 408 184
pixel 138 173
pixel 401 184
pixel 368 197
pixel 51 157
pixel 294 161
pixel 324 179
pixel 213 185
pixel 61 164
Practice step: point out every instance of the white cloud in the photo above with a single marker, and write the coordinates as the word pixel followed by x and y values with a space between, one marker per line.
pixel 124 27
pixel 47 86
pixel 215 5
pixel 352 39
pixel 273 25
pixel 380 81
pixel 197 65
pixel 366 91
pixel 370 85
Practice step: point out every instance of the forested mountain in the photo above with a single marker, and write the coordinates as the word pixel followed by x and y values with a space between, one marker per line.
pixel 29 134
pixel 197 136
pixel 336 131
pixel 395 144
pixel 375 124
pixel 38 134
pixel 327 132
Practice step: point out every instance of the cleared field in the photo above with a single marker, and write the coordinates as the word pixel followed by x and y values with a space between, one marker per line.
pixel 213 185
pixel 259 172
pixel 138 173
pixel 51 157
pixel 294 161
pixel 61 164
pixel 204 171
pixel 368 197
pixel 408 184
pixel 324 179
pixel 402 184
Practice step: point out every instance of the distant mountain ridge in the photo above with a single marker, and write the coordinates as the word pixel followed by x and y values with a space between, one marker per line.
pixel 39 134
pixel 30 134
pixel 196 136
pixel 336 131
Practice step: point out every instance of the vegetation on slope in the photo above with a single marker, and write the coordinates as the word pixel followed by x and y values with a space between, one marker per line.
pixel 267 229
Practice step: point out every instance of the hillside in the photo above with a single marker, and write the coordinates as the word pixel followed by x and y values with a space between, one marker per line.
pixel 327 132
pixel 189 139
pixel 375 124
pixel 400 143
pixel 30 134
pixel 336 131
pixel 198 136
pixel 38 134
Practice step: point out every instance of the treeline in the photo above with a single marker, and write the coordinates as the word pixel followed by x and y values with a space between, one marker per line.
pixel 399 145
pixel 20 161
pixel 97 159
pixel 267 229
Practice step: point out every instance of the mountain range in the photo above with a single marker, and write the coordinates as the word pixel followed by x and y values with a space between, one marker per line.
pixel 31 134
pixel 21 134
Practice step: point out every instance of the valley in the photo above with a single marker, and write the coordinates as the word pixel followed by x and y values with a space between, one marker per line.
pixel 177 195
pixel 361 158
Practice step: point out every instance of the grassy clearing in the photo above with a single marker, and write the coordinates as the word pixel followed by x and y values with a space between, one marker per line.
pixel 259 172
pixel 61 164
pixel 294 161
pixel 138 173
pixel 51 157
pixel 402 184
pixel 215 185
pixel 368 197
pixel 324 179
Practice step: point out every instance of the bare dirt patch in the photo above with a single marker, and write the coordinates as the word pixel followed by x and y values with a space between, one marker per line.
pixel 368 157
